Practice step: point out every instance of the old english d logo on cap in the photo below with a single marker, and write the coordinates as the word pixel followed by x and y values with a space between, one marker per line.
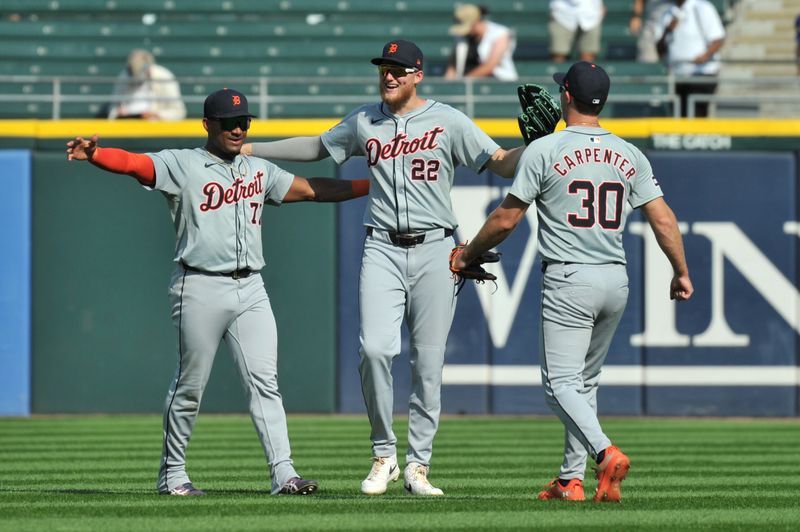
pixel 400 52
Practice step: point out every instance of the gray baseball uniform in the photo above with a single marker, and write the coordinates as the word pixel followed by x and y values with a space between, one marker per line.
pixel 217 293
pixel 404 270
pixel 581 179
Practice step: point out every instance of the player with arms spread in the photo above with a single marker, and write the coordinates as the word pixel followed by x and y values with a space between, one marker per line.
pixel 412 146
pixel 580 180
pixel 216 198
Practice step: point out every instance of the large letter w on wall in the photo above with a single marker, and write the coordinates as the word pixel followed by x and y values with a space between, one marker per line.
pixel 500 308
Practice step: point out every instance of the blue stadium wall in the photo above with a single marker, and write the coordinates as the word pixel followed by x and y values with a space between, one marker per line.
pixel 730 351
pixel 86 260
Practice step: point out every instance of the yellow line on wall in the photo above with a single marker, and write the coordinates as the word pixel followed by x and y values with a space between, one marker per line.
pixel 501 127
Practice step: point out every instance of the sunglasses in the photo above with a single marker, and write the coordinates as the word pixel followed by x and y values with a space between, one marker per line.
pixel 395 71
pixel 561 89
pixel 229 124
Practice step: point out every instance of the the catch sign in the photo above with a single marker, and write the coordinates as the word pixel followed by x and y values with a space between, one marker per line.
pixel 731 350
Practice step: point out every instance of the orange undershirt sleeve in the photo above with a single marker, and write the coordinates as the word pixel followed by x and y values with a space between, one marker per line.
pixel 120 161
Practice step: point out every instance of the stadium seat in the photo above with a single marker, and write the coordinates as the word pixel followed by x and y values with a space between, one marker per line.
pixel 207 43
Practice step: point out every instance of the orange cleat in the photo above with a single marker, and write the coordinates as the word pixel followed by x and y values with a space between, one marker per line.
pixel 610 473
pixel 554 491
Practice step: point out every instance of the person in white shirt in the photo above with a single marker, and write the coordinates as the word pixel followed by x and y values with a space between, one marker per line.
pixel 579 21
pixel 646 17
pixel 690 37
pixel 492 44
pixel 146 90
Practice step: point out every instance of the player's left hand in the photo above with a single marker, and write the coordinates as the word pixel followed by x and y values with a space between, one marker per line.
pixel 681 289
pixel 81 149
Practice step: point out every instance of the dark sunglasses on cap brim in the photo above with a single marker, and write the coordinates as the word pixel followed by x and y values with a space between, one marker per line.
pixel 229 124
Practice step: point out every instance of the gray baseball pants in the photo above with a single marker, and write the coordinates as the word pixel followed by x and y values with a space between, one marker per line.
pixel 416 284
pixel 205 310
pixel 581 308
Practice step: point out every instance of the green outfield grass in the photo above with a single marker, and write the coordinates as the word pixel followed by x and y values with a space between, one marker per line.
pixel 98 473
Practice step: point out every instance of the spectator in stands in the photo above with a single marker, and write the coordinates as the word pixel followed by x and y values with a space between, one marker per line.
pixel 690 36
pixel 483 48
pixel 647 15
pixel 578 21
pixel 146 90
pixel 797 38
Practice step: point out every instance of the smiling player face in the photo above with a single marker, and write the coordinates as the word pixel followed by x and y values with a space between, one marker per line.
pixel 226 135
pixel 398 86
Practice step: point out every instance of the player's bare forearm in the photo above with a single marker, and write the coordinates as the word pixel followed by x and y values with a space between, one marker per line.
pixel 498 226
pixel 665 227
pixel 504 162
pixel 325 189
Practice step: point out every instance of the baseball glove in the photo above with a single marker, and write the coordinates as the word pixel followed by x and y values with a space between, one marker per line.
pixel 472 271
pixel 540 112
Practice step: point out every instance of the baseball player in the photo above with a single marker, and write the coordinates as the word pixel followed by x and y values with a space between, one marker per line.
pixel 580 179
pixel 412 146
pixel 216 198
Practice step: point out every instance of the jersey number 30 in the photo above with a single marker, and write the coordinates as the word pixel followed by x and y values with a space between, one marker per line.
pixel 608 216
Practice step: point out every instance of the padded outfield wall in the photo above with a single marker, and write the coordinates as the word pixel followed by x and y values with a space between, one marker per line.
pixel 101 341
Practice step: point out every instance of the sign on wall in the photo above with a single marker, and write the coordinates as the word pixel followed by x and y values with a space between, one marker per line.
pixel 731 350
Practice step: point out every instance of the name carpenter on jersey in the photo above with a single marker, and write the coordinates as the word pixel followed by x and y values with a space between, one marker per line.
pixel 595 155
pixel 400 146
pixel 217 195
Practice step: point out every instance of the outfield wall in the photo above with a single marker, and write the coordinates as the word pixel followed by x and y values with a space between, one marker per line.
pixel 731 350
pixel 98 336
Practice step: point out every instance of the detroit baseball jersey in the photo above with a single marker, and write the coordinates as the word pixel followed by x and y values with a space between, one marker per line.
pixel 216 208
pixel 580 180
pixel 412 159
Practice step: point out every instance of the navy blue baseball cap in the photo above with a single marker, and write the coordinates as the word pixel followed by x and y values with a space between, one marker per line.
pixel 586 82
pixel 226 103
pixel 400 52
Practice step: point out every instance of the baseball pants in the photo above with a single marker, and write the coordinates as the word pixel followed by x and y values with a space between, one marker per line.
pixel 205 310
pixel 416 284
pixel 581 308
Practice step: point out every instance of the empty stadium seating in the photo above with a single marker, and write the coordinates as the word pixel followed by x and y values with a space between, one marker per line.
pixel 207 43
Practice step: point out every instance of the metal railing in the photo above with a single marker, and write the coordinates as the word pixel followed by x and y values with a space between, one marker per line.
pixel 468 94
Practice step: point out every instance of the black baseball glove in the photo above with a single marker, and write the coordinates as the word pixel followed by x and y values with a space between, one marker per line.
pixel 540 112
pixel 472 271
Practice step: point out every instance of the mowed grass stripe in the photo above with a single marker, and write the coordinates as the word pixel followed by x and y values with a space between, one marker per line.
pixel 98 472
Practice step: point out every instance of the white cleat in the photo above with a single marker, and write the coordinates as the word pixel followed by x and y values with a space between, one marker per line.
pixel 416 480
pixel 384 469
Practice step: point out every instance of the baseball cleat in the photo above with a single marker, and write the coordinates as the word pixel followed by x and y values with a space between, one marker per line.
pixel 384 469
pixel 416 480
pixel 299 486
pixel 610 473
pixel 573 491
pixel 186 490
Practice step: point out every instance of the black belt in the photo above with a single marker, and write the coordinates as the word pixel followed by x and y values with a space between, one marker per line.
pixel 235 274
pixel 408 240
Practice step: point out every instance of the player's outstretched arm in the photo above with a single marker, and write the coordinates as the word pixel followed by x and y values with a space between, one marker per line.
pixel 136 165
pixel 303 149
pixel 665 226
pixel 325 189
pixel 504 162
pixel 498 226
